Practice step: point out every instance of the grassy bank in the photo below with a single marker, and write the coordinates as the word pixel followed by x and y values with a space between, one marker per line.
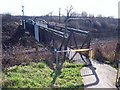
pixel 39 75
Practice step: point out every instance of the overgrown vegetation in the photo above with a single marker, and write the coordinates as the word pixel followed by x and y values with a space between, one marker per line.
pixel 39 75
pixel 104 50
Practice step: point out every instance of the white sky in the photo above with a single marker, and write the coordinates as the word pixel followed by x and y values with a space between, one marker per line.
pixel 43 7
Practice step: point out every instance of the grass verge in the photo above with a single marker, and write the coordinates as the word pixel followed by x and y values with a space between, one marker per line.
pixel 39 75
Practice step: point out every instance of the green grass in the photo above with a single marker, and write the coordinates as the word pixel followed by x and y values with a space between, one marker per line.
pixel 39 75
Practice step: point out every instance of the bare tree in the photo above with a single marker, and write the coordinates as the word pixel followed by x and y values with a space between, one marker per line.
pixel 84 14
pixel 68 10
pixel 91 15
pixel 75 14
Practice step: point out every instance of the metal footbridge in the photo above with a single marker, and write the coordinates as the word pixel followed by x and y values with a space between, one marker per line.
pixel 61 38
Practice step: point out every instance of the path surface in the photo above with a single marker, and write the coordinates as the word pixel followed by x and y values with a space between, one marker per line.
pixel 99 76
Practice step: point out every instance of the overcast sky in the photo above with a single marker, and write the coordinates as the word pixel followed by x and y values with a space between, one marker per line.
pixel 43 7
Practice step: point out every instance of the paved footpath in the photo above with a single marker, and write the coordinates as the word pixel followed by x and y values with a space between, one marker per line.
pixel 99 76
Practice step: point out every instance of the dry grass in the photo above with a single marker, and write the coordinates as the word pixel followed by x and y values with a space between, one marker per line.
pixel 19 55
pixel 104 49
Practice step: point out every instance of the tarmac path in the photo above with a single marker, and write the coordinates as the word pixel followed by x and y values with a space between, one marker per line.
pixel 99 75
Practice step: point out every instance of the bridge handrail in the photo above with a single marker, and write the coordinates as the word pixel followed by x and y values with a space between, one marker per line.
pixel 76 50
pixel 77 30
pixel 73 29
pixel 53 30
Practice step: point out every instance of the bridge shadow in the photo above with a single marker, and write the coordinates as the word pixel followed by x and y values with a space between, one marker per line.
pixel 95 75
pixel 57 72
